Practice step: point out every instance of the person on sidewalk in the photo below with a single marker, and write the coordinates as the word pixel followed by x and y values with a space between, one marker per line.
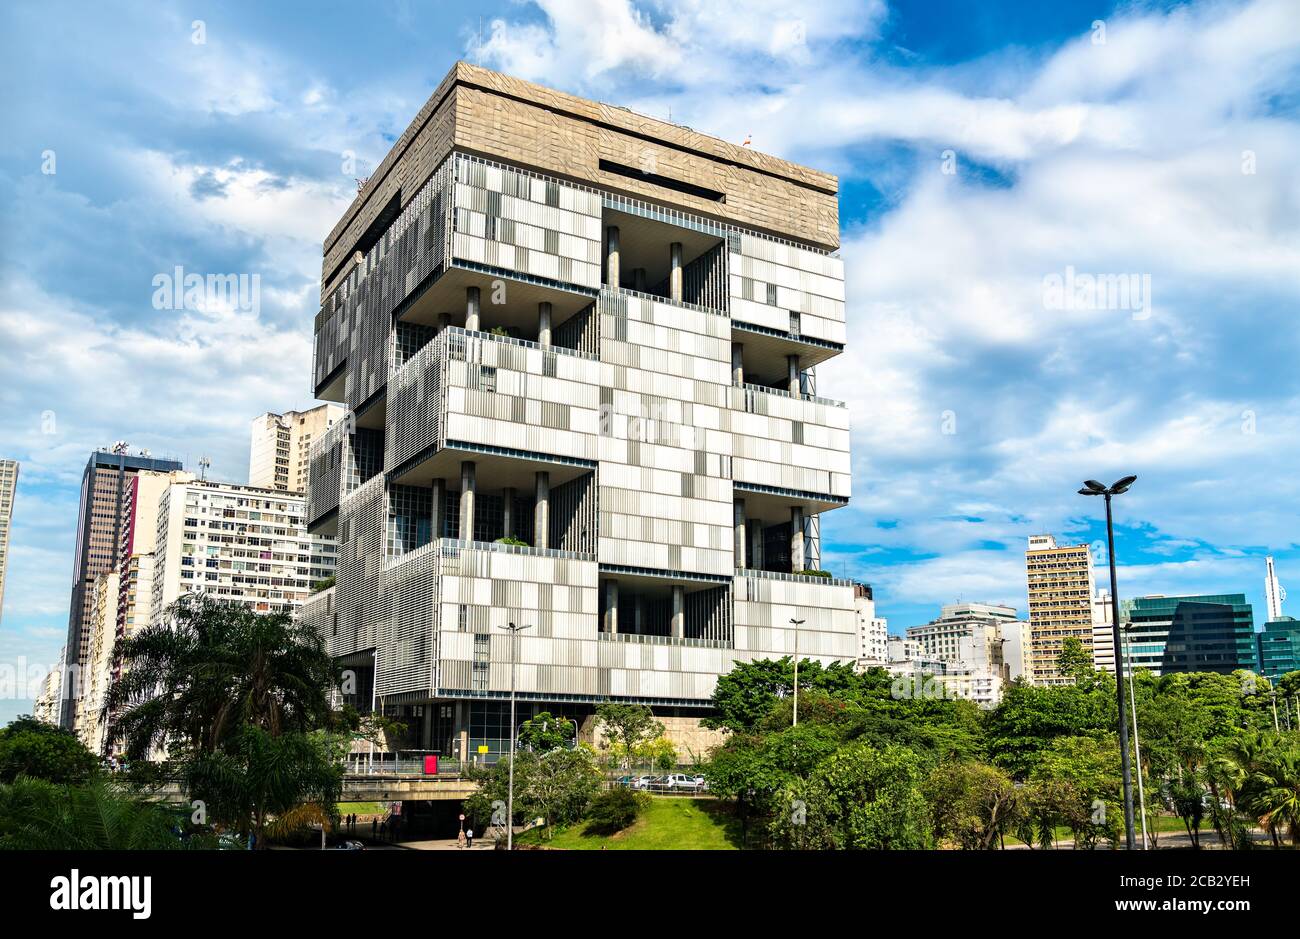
pixel 469 838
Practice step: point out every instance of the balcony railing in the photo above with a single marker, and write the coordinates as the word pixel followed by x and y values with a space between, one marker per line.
pixel 767 389
pixel 643 638
pixel 793 578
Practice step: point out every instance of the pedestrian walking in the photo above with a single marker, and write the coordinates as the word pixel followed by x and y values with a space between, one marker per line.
pixel 460 838
pixel 469 838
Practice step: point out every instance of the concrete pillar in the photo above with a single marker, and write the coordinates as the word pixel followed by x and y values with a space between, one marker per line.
pixel 611 256
pixel 438 513
pixel 426 729
pixel 738 518
pixel 792 365
pixel 737 363
pixel 542 511
pixel 462 730
pixel 679 611
pixel 675 272
pixel 508 512
pixel 444 320
pixel 796 539
pixel 638 279
pixel 611 607
pixel 544 325
pixel 639 620
pixel 755 544
pixel 468 489
pixel 472 309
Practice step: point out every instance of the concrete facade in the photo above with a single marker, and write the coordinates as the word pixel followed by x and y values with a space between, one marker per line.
pixel 580 399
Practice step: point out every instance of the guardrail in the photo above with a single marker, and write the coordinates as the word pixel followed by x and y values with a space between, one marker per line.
pixel 785 393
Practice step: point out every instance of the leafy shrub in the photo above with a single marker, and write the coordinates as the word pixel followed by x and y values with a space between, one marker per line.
pixel 613 810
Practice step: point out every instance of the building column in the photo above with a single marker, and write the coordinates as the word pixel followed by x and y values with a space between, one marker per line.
pixel 792 365
pixel 468 489
pixel 542 511
pixel 444 320
pixel 544 325
pixel 508 512
pixel 638 279
pixel 755 544
pixel 611 607
pixel 679 611
pixel 438 512
pixel 472 309
pixel 611 257
pixel 737 363
pixel 675 272
pixel 738 519
pixel 796 539
pixel 638 622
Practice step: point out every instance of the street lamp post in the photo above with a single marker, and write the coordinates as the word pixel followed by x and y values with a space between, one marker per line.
pixel 1137 747
pixel 514 734
pixel 1093 488
pixel 796 623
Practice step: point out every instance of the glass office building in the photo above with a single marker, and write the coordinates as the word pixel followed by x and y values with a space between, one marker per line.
pixel 1189 634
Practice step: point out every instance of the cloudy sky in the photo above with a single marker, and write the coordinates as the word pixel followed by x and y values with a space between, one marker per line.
pixel 984 150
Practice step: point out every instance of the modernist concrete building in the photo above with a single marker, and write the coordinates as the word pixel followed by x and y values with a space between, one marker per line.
pixel 8 490
pixel 105 510
pixel 578 349
pixel 280 446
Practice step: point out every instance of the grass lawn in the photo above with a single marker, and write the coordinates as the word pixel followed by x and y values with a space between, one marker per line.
pixel 363 808
pixel 670 823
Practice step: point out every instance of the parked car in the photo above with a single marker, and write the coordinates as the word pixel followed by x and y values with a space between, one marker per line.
pixel 682 782
pixel 644 782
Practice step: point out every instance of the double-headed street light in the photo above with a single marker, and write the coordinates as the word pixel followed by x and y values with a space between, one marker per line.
pixel 514 735
pixel 1093 488
pixel 796 623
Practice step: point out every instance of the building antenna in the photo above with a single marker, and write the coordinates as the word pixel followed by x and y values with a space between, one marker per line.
pixel 204 463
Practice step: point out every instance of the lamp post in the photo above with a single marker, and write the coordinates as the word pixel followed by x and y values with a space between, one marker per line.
pixel 514 735
pixel 796 623
pixel 1093 488
pixel 1137 747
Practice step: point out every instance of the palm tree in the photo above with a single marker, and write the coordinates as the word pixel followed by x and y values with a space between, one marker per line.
pixel 1274 793
pixel 96 816
pixel 214 668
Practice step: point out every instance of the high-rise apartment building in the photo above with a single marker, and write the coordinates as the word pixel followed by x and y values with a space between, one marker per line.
pixel 48 706
pixel 103 511
pixel 578 348
pixel 8 492
pixel 1103 632
pixel 240 544
pixel 969 638
pixel 91 723
pixel 873 630
pixel 1189 634
pixel 279 456
pixel 1060 604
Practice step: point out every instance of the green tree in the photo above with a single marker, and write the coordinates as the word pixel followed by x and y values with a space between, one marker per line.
pixel 613 810
pixel 29 747
pixel 972 804
pixel 1078 785
pixel 858 798
pixel 1075 660
pixel 1029 718
pixel 546 732
pixel 556 786
pixel 628 725
pixel 95 816
pixel 216 667
pixel 255 777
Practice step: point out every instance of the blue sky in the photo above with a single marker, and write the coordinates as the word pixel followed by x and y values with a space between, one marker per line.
pixel 982 148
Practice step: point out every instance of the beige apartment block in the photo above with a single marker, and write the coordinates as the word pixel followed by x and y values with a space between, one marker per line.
pixel 1060 580
pixel 95 678
pixel 8 491
pixel 279 455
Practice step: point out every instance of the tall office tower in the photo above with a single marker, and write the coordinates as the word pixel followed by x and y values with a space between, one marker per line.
pixel 1103 633
pixel 873 630
pixel 279 457
pixel 102 513
pixel 578 348
pixel 8 490
pixel 1189 634
pixel 1060 604
pixel 240 544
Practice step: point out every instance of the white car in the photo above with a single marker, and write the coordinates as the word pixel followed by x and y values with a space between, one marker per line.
pixel 683 782
pixel 643 782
